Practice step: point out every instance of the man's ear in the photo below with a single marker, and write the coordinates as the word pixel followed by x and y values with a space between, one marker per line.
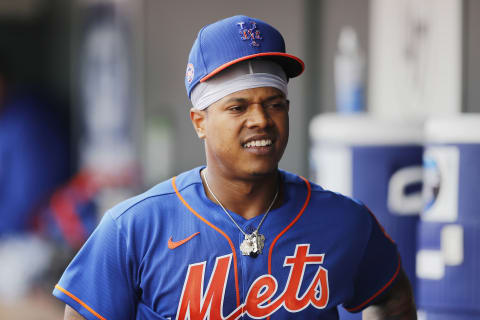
pixel 198 118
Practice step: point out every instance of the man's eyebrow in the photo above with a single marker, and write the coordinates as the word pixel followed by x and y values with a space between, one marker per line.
pixel 243 100
pixel 277 96
pixel 230 100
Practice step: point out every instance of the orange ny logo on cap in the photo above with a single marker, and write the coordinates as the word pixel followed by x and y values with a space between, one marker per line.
pixel 251 33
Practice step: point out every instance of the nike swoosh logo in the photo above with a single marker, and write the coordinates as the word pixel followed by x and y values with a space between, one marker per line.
pixel 175 244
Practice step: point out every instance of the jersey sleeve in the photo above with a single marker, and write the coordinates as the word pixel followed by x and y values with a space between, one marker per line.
pixel 99 282
pixel 377 270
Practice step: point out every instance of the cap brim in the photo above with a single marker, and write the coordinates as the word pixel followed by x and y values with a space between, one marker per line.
pixel 292 65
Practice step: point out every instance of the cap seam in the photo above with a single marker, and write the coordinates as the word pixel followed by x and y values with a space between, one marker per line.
pixel 201 54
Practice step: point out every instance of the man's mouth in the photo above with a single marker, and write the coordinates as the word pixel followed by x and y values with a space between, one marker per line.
pixel 258 143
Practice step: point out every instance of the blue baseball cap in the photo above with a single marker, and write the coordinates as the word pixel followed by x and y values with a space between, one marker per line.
pixel 231 40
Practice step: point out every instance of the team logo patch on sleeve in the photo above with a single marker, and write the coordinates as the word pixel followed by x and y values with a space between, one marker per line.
pixel 189 74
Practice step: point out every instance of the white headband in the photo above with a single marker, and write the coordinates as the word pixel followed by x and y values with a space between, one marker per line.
pixel 243 75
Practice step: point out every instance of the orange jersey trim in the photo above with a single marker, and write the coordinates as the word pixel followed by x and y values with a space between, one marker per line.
pixel 379 291
pixel 305 204
pixel 83 304
pixel 307 200
pixel 219 231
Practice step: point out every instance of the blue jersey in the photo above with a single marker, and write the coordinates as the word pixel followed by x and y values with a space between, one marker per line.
pixel 172 253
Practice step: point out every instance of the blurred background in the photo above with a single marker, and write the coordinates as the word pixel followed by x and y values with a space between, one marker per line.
pixel 93 110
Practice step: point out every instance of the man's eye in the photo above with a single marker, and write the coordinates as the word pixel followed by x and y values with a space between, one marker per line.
pixel 277 105
pixel 236 108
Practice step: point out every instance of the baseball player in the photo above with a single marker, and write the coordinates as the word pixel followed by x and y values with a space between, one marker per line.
pixel 238 238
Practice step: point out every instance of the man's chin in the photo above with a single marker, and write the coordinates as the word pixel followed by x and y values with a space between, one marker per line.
pixel 263 172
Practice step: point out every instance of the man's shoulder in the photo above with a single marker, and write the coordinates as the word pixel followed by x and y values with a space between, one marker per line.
pixel 292 179
pixel 331 201
pixel 157 195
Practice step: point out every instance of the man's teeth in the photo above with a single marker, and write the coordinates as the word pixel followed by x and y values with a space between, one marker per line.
pixel 258 143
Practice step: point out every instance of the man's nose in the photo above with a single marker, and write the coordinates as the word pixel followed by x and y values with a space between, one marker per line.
pixel 258 116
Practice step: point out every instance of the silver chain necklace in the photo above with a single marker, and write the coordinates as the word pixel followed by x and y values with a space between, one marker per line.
pixel 253 243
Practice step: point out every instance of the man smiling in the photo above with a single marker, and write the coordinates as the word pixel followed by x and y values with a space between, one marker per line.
pixel 254 131
pixel 238 238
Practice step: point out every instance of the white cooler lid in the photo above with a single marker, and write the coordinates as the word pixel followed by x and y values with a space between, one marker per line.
pixel 461 128
pixel 365 129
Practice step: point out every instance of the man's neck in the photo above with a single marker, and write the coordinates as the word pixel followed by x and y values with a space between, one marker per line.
pixel 246 197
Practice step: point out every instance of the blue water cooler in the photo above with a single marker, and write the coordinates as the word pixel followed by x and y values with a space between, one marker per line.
pixel 378 161
pixel 448 257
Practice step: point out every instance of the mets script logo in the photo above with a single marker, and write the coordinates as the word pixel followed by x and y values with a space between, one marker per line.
pixel 249 31
pixel 195 304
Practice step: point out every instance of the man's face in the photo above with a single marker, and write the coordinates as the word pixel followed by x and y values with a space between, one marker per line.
pixel 245 132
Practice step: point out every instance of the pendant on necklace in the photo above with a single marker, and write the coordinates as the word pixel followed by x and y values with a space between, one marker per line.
pixel 253 244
